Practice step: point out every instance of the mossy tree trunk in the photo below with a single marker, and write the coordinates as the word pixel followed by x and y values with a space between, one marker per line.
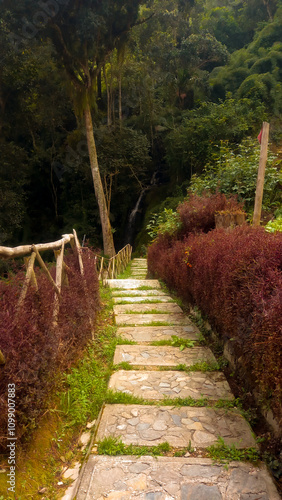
pixel 108 241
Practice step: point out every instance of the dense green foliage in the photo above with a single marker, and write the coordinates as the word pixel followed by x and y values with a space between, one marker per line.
pixel 164 96
pixel 235 172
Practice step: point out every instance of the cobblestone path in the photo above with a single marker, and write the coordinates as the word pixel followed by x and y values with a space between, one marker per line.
pixel 145 314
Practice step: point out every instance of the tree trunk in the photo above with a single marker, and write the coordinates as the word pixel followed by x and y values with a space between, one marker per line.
pixel 109 110
pixel 120 99
pixel 108 240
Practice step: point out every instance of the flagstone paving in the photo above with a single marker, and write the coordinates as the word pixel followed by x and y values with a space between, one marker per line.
pixel 146 308
pixel 162 355
pixel 167 478
pixel 131 284
pixel 138 300
pixel 147 319
pixel 147 334
pixel 158 385
pixel 180 427
pixel 138 293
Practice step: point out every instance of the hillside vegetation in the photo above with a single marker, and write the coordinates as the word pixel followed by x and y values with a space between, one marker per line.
pixel 164 95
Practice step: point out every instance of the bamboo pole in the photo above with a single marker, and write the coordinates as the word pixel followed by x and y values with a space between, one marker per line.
pixel 100 276
pixel 45 269
pixel 78 248
pixel 7 252
pixel 28 277
pixel 33 276
pixel 65 281
pixel 261 174
pixel 59 277
pixel 2 358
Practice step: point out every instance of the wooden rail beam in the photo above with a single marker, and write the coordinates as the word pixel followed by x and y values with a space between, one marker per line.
pixel 20 251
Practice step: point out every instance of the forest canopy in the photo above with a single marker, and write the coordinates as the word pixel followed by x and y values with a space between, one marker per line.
pixel 165 82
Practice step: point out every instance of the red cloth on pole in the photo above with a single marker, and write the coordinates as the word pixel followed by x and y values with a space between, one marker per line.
pixel 260 136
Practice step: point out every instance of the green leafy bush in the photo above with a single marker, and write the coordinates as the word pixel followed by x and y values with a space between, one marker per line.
pixel 235 172
pixel 167 222
pixel 274 225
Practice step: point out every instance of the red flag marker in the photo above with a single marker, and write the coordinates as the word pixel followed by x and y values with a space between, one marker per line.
pixel 260 136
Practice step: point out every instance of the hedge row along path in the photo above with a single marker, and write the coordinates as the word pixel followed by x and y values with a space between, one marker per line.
pixel 154 378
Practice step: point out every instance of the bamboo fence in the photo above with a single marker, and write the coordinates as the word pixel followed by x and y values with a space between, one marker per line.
pixel 106 268
pixel 111 268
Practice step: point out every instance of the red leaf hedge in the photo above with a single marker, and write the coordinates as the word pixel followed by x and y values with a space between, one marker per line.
pixel 35 351
pixel 235 278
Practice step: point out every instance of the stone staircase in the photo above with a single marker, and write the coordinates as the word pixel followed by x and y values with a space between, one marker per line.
pixel 155 378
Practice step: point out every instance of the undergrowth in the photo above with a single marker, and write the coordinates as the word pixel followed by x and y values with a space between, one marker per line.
pixel 34 349
pixel 113 447
pixel 223 453
pixel 80 393
pixel 176 342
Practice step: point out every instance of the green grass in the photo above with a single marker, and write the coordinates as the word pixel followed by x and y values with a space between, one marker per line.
pixel 196 367
pixel 151 323
pixel 145 287
pixel 228 404
pixel 113 397
pixel 113 447
pixel 146 301
pixel 86 383
pixel 223 453
pixel 176 342
pixel 126 274
pixel 121 398
pixel 152 311
pixel 121 341
pixel 186 402
pixel 123 366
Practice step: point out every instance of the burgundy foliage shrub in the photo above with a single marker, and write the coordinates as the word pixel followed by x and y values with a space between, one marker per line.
pixel 34 350
pixel 235 278
pixel 198 212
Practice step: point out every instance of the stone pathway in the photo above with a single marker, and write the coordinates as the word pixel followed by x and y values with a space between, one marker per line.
pixel 161 355
pixel 154 379
pixel 158 385
pixel 151 425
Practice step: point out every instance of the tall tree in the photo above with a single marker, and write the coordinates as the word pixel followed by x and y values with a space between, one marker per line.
pixel 83 33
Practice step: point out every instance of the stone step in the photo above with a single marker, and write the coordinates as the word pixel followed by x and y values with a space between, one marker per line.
pixel 157 385
pixel 144 298
pixel 139 267
pixel 138 293
pixel 147 319
pixel 132 284
pixel 162 355
pixel 143 308
pixel 152 333
pixel 139 277
pixel 180 427
pixel 172 478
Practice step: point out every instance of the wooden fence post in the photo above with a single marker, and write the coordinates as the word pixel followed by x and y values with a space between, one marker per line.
pixel 2 358
pixel 261 174
pixel 59 278
pixel 78 248
pixel 45 269
pixel 28 278
pixel 33 276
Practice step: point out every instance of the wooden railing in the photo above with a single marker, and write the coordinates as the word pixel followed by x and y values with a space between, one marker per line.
pixel 106 268
pixel 31 253
pixel 111 268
